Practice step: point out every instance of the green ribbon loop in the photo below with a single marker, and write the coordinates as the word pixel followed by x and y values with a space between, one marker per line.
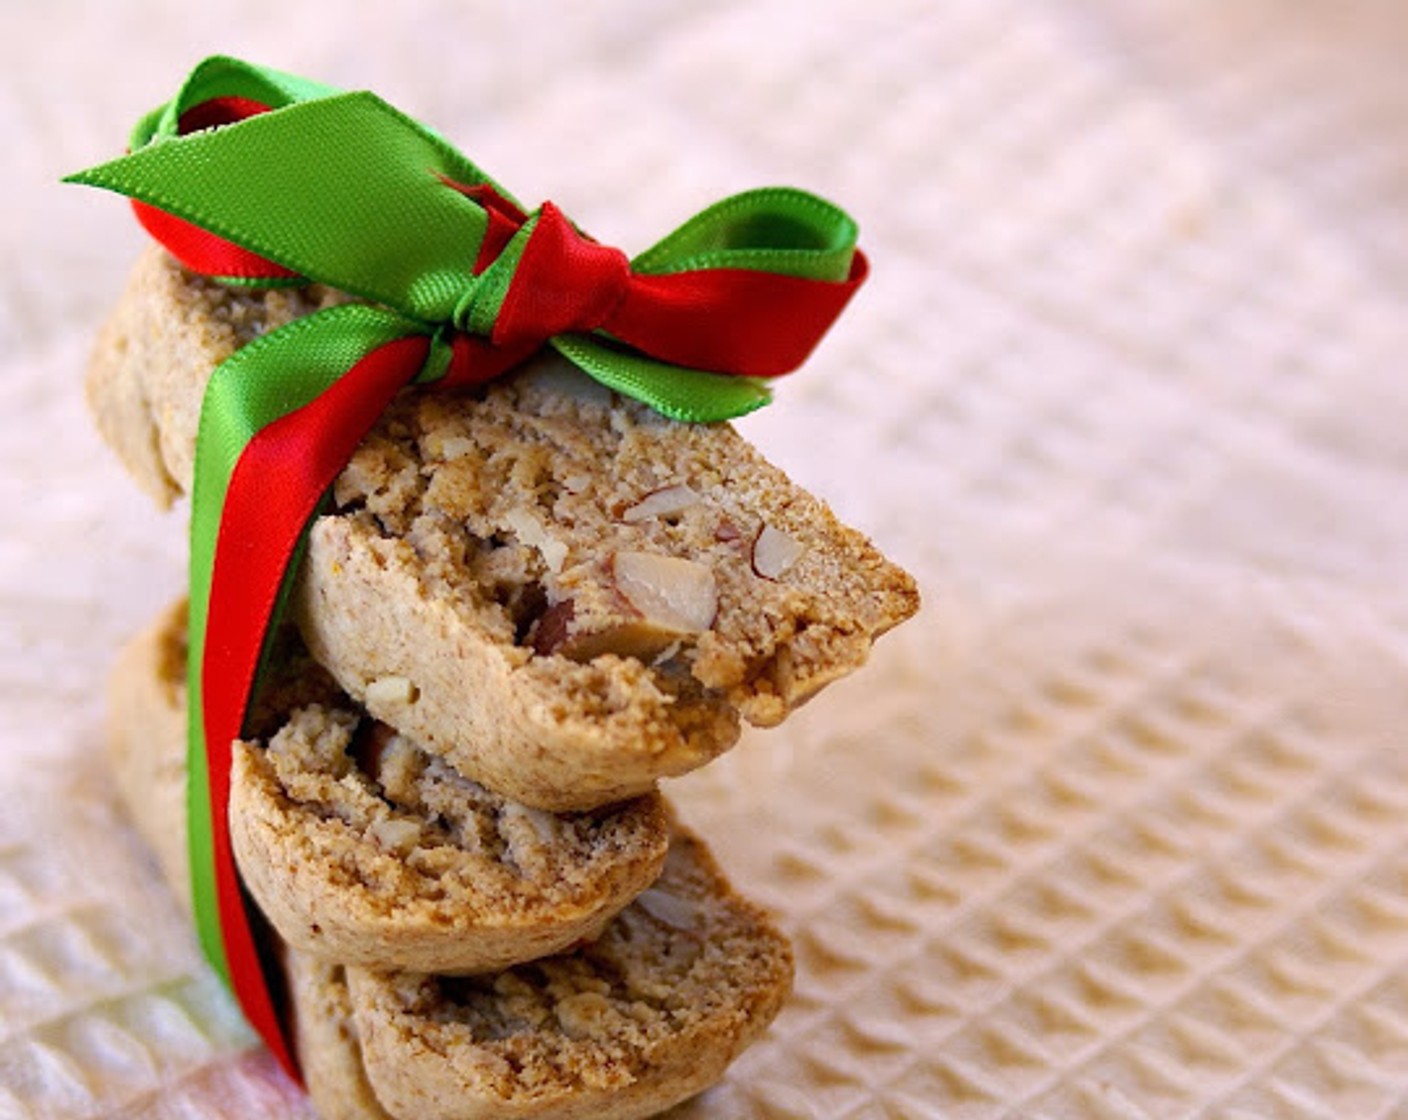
pixel 367 213
pixel 771 229
pixel 345 190
pixel 222 76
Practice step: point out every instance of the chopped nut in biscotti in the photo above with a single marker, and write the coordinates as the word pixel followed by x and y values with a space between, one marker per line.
pixel 553 630
pixel 668 501
pixel 651 602
pixel 727 532
pixel 392 690
pixel 774 552
pixel 675 595
pixel 532 532
pixel 676 912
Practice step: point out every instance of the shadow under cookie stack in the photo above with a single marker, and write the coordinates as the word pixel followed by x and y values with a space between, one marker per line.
pixel 526 606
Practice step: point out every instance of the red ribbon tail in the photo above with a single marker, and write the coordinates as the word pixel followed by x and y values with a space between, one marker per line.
pixel 275 489
pixel 202 251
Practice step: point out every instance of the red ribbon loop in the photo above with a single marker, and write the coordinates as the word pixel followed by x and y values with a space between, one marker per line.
pixel 757 324
pixel 745 321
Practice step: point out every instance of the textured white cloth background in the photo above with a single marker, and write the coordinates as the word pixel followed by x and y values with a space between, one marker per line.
pixel 1118 828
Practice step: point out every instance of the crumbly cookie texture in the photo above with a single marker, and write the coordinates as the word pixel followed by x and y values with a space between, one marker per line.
pixel 153 356
pixel 566 594
pixel 362 848
pixel 647 1015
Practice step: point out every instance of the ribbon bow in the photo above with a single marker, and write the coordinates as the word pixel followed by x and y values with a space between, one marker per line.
pixel 261 178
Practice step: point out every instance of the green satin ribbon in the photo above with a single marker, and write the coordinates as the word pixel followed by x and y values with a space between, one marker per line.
pixel 345 190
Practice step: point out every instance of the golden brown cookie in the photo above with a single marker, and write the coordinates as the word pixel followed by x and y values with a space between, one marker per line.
pixel 361 848
pixel 652 1012
pixel 566 594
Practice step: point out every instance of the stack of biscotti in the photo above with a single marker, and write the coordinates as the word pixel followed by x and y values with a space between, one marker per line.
pixel 451 953
pixel 528 604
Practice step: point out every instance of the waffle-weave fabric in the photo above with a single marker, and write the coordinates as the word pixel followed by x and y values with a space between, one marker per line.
pixel 1118 826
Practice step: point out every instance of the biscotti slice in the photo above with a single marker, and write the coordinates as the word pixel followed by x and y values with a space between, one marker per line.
pixel 649 1014
pixel 563 592
pixel 362 848
pixel 325 1039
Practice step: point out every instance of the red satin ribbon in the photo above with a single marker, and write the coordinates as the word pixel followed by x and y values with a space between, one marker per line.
pixel 202 251
pixel 736 320
pixel 276 487
pixel 198 249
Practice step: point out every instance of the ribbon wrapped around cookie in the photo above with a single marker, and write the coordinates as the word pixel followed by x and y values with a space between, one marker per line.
pixel 257 177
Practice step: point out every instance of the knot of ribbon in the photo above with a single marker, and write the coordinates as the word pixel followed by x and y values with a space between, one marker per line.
pixel 260 178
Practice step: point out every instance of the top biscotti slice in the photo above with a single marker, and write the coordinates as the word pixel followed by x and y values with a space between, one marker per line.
pixel 566 594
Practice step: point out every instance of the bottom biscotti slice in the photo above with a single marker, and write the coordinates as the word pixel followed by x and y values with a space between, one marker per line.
pixel 360 847
pixel 651 1012
pixel 146 742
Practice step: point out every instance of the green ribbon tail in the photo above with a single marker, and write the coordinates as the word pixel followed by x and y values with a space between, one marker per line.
pixel 691 395
pixel 258 384
pixel 344 190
